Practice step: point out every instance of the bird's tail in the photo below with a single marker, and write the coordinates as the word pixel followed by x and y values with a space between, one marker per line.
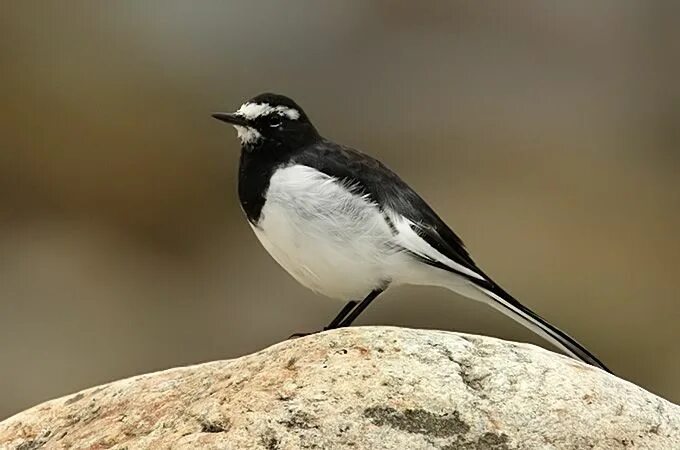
pixel 505 303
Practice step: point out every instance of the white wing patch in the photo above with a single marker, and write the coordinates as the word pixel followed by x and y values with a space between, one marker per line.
pixel 411 241
pixel 255 110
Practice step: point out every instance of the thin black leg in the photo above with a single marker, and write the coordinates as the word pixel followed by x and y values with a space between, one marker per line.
pixel 347 314
pixel 341 315
pixel 347 321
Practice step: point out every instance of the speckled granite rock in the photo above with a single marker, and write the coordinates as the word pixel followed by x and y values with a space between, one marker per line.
pixel 361 388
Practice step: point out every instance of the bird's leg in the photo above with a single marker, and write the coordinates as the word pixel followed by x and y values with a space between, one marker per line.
pixel 347 321
pixel 347 314
pixel 335 322
pixel 341 315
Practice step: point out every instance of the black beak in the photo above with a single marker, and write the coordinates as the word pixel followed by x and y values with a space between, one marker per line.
pixel 231 118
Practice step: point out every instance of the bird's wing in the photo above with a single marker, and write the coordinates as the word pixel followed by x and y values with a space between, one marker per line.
pixel 418 228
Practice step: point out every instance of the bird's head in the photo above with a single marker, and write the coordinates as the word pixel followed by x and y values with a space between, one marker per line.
pixel 270 118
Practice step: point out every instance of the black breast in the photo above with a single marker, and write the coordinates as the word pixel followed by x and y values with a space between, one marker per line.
pixel 255 171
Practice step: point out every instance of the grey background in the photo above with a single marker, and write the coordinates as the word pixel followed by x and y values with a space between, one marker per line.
pixel 545 133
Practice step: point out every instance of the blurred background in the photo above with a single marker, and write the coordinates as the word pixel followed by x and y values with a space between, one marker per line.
pixel 546 133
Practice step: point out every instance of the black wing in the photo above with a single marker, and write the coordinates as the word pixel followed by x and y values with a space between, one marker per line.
pixel 386 189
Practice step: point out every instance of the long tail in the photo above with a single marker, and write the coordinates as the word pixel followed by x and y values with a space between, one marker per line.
pixel 505 303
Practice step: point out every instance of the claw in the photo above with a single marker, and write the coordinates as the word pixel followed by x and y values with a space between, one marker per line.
pixel 299 335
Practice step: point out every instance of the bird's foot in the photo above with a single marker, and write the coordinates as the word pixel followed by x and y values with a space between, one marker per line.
pixel 299 335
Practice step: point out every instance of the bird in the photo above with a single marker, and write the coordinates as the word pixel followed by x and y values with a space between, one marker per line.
pixel 347 227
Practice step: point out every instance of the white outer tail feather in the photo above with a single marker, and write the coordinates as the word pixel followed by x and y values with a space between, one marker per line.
pixel 503 306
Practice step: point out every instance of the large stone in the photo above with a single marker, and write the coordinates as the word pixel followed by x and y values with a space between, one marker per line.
pixel 361 388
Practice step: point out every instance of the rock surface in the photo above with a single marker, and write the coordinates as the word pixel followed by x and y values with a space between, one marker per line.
pixel 361 388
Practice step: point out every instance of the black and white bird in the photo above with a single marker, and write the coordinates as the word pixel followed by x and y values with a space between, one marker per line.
pixel 345 226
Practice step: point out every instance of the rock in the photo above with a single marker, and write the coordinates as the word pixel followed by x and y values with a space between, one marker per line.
pixel 361 388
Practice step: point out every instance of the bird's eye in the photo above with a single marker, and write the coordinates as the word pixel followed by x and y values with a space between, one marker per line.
pixel 275 123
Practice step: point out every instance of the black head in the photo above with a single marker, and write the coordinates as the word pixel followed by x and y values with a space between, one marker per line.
pixel 270 119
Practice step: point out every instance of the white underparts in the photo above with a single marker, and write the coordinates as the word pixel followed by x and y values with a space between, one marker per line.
pixel 328 238
pixel 336 241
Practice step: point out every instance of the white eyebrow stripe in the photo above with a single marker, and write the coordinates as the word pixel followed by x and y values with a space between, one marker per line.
pixel 292 113
pixel 254 110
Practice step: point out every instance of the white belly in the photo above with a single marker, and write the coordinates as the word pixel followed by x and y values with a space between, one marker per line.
pixel 328 238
